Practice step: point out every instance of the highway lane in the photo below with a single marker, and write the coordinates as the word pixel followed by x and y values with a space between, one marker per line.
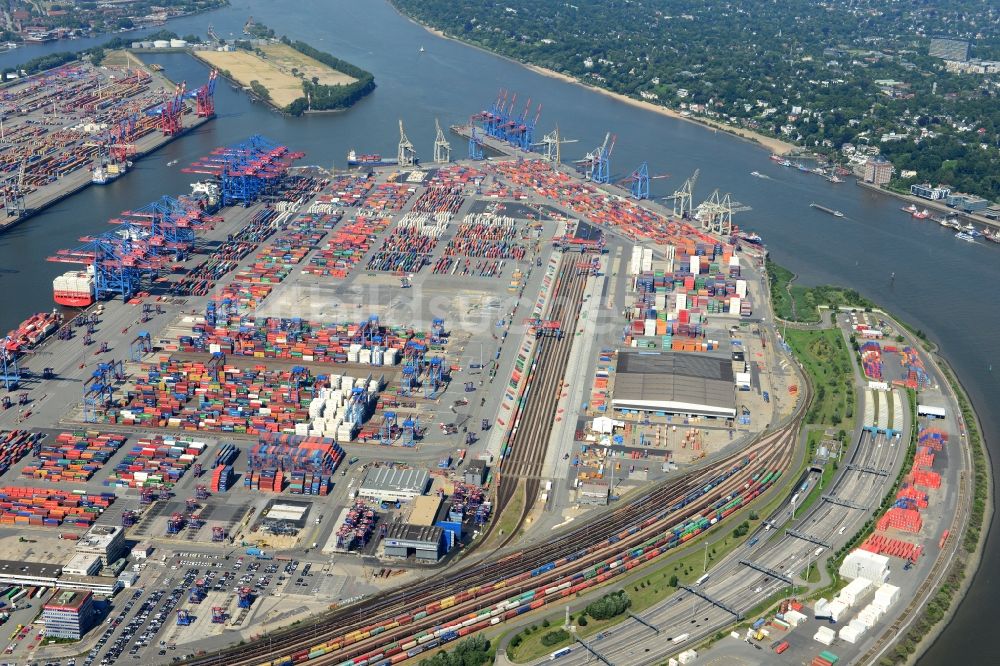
pixel 740 587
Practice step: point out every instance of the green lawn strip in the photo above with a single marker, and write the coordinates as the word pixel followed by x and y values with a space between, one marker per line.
pixel 807 299
pixel 507 521
pixel 824 355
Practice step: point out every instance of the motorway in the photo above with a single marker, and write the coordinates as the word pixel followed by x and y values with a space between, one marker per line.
pixel 777 559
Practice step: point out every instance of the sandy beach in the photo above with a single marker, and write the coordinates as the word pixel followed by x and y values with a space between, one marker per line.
pixel 770 143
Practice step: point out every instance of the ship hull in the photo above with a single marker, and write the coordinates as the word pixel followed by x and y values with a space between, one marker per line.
pixel 73 299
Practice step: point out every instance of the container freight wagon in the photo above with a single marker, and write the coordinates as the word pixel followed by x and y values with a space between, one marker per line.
pixel 550 586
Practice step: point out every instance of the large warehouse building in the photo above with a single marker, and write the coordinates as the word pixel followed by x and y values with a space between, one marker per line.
pixel 393 484
pixel 423 541
pixel 675 383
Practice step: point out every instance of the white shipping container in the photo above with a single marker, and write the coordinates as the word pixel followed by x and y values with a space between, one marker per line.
pixel 696 264
pixel 794 618
pixel 649 327
pixel 862 564
pixel 741 288
pixel 687 657
pixel 824 635
pixel 885 596
pixel 849 634
pixel 734 305
pixel 836 609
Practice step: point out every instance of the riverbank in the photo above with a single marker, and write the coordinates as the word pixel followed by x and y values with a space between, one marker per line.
pixel 770 143
pixel 941 594
pixel 932 205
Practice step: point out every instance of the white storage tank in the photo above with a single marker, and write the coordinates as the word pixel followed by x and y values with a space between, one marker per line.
pixel 161 43
pixel 178 43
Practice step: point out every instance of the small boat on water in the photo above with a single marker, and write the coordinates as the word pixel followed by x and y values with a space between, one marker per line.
pixel 750 237
pixel 830 211
pixel 971 230
pixel 834 178
pixel 757 174
pixel 969 238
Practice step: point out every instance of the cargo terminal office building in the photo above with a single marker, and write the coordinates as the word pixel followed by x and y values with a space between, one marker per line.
pixel 674 384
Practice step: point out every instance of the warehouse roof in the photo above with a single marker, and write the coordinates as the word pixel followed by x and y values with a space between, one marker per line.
pixel 29 569
pixel 425 508
pixel 679 382
pixel 395 479
pixel 413 536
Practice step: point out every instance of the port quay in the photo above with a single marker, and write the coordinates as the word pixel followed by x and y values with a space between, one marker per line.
pixel 276 403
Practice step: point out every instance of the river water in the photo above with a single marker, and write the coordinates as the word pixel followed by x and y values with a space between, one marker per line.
pixel 942 285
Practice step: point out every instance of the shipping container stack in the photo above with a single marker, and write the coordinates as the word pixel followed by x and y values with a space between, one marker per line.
pixel 295 339
pixel 307 463
pixel 347 246
pixel 155 461
pixel 408 248
pixel 871 360
pixel 185 395
pixel 357 528
pixel 222 478
pixel 74 457
pixel 50 508
pixel 598 207
pixel 14 445
pixel 913 366
pixel 225 259
pixel 218 533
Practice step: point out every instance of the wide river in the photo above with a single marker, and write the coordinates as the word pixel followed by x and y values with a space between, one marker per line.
pixel 942 285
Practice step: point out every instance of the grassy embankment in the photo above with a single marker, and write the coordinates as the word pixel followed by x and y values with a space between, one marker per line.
pixel 794 302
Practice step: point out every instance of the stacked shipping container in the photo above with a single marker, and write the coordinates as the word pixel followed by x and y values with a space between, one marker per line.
pixel 45 507
pixel 73 456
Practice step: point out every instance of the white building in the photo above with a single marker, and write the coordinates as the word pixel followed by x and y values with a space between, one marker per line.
pixel 862 564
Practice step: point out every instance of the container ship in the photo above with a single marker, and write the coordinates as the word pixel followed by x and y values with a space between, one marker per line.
pixel 33 330
pixel 106 173
pixel 74 288
pixel 353 159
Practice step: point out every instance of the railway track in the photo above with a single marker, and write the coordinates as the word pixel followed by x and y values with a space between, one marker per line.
pixel 525 456
pixel 649 516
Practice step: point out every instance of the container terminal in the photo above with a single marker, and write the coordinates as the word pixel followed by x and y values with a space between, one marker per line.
pixel 67 128
pixel 291 394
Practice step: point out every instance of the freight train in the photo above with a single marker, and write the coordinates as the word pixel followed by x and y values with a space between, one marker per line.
pixel 450 629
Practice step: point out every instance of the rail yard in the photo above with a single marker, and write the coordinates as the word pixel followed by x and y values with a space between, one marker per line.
pixel 298 416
